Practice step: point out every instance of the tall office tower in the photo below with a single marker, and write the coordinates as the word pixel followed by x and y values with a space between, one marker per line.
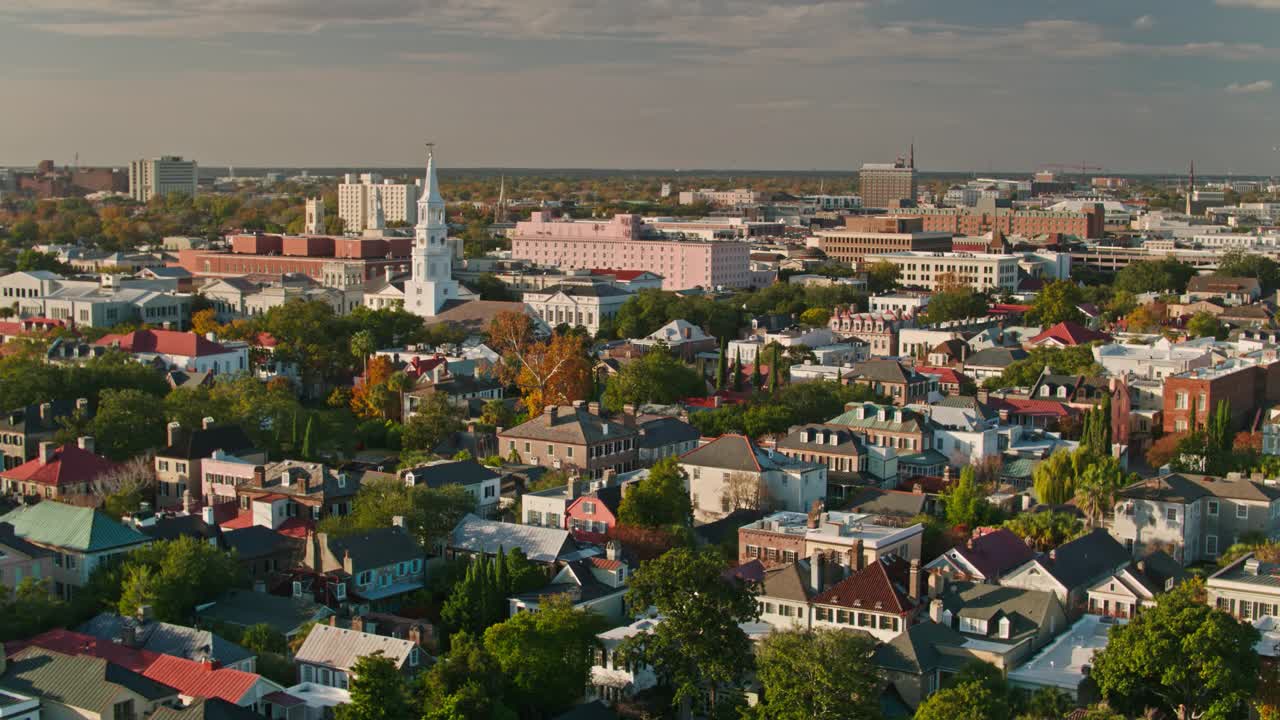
pixel 161 176
pixel 887 185
pixel 356 198
pixel 315 217
pixel 431 282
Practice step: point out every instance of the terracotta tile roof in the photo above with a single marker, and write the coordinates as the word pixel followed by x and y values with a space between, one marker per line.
pixel 1070 333
pixel 878 586
pixel 605 563
pixel 994 551
pixel 168 342
pixel 70 465
pixel 1019 406
pixel 948 376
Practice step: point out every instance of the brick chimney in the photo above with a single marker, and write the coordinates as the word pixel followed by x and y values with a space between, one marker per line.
pixel 913 580
pixel 816 572
pixel 357 623
pixel 552 412
pixel 172 430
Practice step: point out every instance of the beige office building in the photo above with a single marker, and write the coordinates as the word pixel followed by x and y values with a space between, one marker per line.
pixel 358 206
pixel 886 185
pixel 980 271
pixel 161 176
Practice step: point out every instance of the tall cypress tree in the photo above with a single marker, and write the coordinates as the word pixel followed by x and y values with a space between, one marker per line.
pixel 757 377
pixel 775 373
pixel 737 372
pixel 307 439
pixel 722 365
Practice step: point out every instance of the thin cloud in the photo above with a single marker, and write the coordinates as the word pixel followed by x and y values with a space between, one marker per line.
pixel 1256 4
pixel 1145 22
pixel 1253 88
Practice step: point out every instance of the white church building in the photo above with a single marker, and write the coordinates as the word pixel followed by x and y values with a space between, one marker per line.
pixel 430 283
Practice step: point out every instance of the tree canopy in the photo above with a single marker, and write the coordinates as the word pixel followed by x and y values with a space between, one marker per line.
pixel 657 377
pixel 660 499
pixel 823 674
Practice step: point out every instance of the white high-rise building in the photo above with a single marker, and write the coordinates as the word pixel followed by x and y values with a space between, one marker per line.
pixel 161 176
pixel 357 197
pixel 431 283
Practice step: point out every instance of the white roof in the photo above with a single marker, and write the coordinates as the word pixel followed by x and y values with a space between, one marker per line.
pixel 1061 664
pixel 340 648
pixel 475 534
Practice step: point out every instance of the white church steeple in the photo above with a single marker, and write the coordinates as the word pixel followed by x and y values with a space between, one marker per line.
pixel 431 283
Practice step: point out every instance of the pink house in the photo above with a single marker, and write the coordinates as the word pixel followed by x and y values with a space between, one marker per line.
pixel 683 264
pixel 591 517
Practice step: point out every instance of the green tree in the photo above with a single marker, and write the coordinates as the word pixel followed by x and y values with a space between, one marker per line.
pixel 722 364
pixel 1096 488
pixel 824 674
pixel 497 413
pixel 400 383
pixel 308 448
pixel 1181 656
pixel 1203 324
pixel 815 317
pixel 1165 275
pixel 658 500
pixel 955 304
pixel 964 701
pixel 737 371
pixel 1057 302
pixel 1045 530
pixel 545 656
pixel 466 684
pixel 882 276
pixel 657 377
pixel 966 501
pixel 434 421
pixel 1219 431
pixel 1048 703
pixel 757 376
pixel 128 422
pixel 378 691
pixel 1054 479
pixel 699 643
pixel 1238 263
pixel 173 576
pixel 362 346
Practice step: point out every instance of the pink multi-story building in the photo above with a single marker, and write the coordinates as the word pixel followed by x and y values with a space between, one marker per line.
pixel 618 243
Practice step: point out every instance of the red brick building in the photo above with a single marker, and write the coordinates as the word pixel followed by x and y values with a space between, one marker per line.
pixel 335 261
pixel 1248 384
pixel 979 221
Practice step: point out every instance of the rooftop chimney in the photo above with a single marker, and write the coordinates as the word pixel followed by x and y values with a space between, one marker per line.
pixel 46 412
pixel 172 430
pixel 816 569
pixel 85 443
pixel 188 503
pixel 206 423
pixel 571 488
pixel 913 581
pixel 82 405
pixel 552 412
pixel 47 450
pixel 935 610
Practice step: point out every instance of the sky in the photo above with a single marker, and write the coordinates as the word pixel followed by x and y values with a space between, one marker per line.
pixel 1128 85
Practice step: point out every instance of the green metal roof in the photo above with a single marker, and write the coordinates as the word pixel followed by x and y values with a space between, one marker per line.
pixel 74 528
pixel 925 458
pixel 1019 467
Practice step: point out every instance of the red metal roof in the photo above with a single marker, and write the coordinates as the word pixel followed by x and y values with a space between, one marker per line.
pixel 874 587
pixel 168 342
pixel 1069 333
pixel 69 465
pixel 294 527
pixel 188 677
pixel 945 374
pixel 1018 406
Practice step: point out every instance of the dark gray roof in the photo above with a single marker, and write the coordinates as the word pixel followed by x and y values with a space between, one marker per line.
pixel 172 528
pixel 662 431
pixel 1158 567
pixel 594 710
pixel 1084 559
pixel 206 709
pixel 915 651
pixel 886 371
pixel 457 472
pixel 997 357
pixel 847 443
pixel 728 452
pixel 876 501
pixel 1027 610
pixel 246 608
pixel 375 548
pixel 256 541
pixel 789 582
pixel 201 442
pixel 27 419
pixel 726 527
pixel 177 640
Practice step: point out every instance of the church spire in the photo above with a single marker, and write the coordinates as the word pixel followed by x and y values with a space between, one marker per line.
pixel 431 186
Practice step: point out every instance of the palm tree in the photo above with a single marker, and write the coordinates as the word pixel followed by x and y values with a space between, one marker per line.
pixel 362 346
pixel 399 382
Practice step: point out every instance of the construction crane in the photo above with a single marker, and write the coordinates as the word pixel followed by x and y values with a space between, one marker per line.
pixel 1083 166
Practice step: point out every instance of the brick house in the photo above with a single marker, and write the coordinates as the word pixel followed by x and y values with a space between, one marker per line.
pixel 848 541
pixel 1248 383
pixel 887 426
pixel 880 599
pixel 901 384
pixel 878 329
pixel 573 438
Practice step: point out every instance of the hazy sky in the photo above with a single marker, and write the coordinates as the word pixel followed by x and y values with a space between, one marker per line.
pixel 1132 85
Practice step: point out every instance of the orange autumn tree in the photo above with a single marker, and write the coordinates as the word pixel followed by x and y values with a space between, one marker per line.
pixel 547 372
pixel 372 398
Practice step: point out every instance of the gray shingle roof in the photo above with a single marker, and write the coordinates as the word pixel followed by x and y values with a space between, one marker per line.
pixel 1027 610
pixel 876 501
pixel 457 472
pixel 915 651
pixel 340 648
pixel 245 608
pixel 995 357
pixel 788 582
pixel 1077 562
pixel 571 425
pixel 177 640
pixel 375 548
pixel 82 681
pixel 662 431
